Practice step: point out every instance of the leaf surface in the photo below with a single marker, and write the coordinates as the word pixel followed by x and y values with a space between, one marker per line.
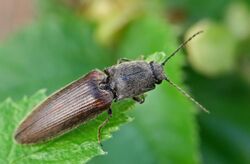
pixel 77 146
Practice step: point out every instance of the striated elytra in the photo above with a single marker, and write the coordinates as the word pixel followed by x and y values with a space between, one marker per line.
pixel 67 108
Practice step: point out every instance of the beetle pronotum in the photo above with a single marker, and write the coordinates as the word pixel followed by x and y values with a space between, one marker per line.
pixel 91 95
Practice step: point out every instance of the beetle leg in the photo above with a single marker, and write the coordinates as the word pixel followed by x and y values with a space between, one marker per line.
pixel 103 124
pixel 122 60
pixel 139 99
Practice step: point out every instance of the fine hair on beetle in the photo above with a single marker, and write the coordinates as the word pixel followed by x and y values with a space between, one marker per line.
pixel 91 95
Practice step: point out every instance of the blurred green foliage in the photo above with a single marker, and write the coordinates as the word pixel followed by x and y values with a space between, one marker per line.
pixel 67 40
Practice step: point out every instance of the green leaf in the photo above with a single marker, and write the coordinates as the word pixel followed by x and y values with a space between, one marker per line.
pixel 77 146
pixel 158 57
pixel 164 130
pixel 225 132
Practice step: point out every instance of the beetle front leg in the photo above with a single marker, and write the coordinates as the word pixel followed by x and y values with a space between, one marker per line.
pixel 139 99
pixel 122 60
pixel 102 125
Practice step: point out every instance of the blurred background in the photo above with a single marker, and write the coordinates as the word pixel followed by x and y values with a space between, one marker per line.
pixel 49 43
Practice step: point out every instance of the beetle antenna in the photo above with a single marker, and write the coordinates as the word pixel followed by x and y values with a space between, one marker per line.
pixel 186 95
pixel 181 46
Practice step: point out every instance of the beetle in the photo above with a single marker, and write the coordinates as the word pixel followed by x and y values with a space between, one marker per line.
pixel 89 96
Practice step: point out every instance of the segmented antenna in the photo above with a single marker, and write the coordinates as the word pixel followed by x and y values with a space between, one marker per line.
pixel 181 46
pixel 186 95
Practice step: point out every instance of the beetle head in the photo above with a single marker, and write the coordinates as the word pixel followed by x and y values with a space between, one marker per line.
pixel 158 72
